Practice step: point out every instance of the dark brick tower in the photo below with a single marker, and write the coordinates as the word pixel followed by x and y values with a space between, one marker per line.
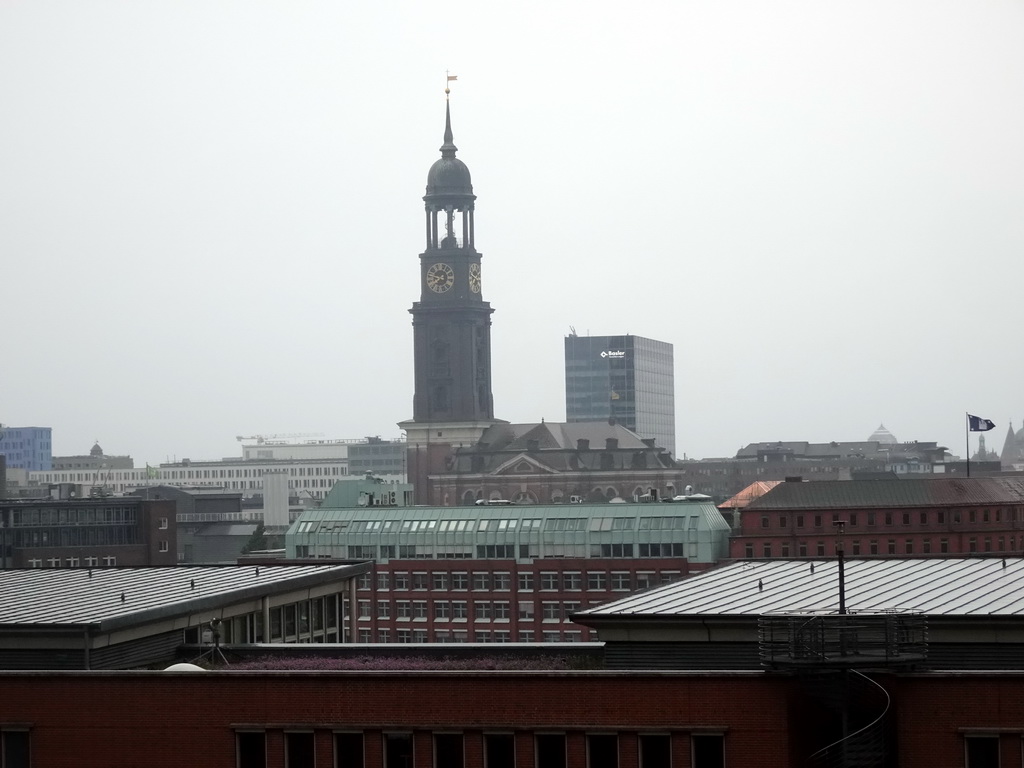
pixel 452 404
pixel 451 321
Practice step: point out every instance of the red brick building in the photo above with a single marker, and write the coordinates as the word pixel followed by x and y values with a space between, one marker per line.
pixel 496 600
pixel 960 706
pixel 937 516
pixel 593 719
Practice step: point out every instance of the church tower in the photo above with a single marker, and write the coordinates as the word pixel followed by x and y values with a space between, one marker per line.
pixel 452 403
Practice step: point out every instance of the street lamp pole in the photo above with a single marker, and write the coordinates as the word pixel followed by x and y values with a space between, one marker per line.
pixel 840 528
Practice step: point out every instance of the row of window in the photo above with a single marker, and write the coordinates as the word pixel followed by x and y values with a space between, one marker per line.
pixel 453 635
pixel 459 610
pixel 856 547
pixel 664 523
pixel 73 516
pixel 498 551
pixel 92 536
pixel 922 517
pixel 549 750
pixel 526 581
pixel 138 475
pixel 76 562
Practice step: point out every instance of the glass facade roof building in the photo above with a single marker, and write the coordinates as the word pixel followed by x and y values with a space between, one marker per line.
pixel 694 530
pixel 626 378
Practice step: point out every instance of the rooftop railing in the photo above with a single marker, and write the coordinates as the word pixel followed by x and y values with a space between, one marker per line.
pixel 815 639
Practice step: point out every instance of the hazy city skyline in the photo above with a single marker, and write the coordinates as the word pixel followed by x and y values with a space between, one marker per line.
pixel 212 212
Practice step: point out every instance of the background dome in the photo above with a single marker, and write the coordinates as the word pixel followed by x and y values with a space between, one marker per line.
pixel 883 436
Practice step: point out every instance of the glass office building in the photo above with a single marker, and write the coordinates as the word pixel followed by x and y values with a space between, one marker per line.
pixel 628 378
pixel 27 447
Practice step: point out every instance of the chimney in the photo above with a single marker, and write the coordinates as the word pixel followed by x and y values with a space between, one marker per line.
pixel 582 444
pixel 611 443
pixel 649 442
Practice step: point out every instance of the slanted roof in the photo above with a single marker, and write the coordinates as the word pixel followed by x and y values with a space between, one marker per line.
pixel 80 596
pixel 751 493
pixel 853 494
pixel 934 586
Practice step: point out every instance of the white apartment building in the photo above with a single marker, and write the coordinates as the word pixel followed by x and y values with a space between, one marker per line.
pixel 310 476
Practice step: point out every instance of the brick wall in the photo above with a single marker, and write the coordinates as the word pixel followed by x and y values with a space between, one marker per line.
pixel 110 720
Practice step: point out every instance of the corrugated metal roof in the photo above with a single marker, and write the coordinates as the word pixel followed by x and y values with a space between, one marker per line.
pixel 846 494
pixel 72 596
pixel 934 586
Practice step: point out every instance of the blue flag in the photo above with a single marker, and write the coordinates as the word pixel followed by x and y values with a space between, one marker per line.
pixel 978 424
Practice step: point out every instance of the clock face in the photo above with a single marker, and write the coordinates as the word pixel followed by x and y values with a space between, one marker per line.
pixel 474 278
pixel 440 277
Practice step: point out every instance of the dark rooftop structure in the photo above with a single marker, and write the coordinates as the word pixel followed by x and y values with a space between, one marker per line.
pixel 892 493
pixel 711 620
pixel 116 618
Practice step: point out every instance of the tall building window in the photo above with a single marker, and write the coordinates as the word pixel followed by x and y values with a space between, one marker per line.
pixel 981 751
pixel 655 751
pixel 550 750
pixel 602 750
pixel 348 750
pixel 448 751
pixel 398 750
pixel 299 749
pixel 499 750
pixel 250 749
pixel 708 750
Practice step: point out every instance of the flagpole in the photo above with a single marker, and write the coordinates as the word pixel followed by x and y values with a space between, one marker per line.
pixel 967 440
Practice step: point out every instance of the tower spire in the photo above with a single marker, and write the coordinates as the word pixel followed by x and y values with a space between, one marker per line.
pixel 448 149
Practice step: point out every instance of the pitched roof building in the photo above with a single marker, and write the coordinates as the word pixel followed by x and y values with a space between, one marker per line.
pixel 117 618
pixel 935 516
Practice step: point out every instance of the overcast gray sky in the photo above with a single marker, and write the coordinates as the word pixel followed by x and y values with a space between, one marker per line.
pixel 210 212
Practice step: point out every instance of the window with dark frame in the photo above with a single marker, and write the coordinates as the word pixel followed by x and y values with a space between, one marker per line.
pixel 550 750
pixel 655 751
pixel 981 752
pixel 299 749
pixel 398 750
pixel 448 751
pixel 499 750
pixel 251 749
pixel 348 750
pixel 602 750
pixel 708 750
